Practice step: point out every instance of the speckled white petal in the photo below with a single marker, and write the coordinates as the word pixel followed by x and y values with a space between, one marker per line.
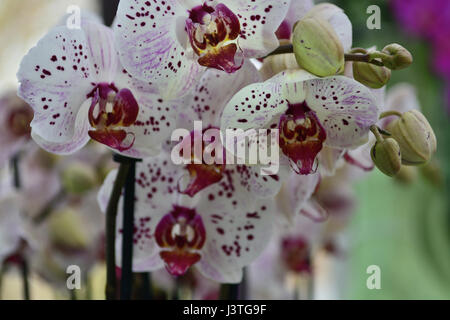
pixel 259 21
pixel 150 47
pixel 234 240
pixel 77 141
pixel 345 108
pixel 54 80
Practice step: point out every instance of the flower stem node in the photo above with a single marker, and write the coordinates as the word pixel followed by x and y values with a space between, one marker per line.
pixel 370 75
pixel 386 156
pixel 399 57
pixel 78 178
pixel 317 47
pixel 415 137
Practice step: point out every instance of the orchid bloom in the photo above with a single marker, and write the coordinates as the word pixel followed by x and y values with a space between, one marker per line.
pixel 205 104
pixel 78 90
pixel 220 230
pixel 15 117
pixel 309 113
pixel 170 42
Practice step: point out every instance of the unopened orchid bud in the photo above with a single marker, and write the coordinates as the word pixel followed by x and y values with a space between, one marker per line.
pixel 317 47
pixel 386 156
pixel 371 75
pixel 78 178
pixel 400 58
pixel 415 136
pixel 66 230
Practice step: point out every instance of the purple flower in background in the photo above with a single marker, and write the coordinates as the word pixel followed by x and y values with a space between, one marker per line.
pixel 429 19
pixel 426 18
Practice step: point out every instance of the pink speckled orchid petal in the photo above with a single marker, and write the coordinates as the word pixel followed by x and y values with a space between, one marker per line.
pixel 77 141
pixel 102 52
pixel 212 93
pixel 54 81
pixel 155 122
pixel 150 48
pixel 259 21
pixel 254 106
pixel 345 108
pixel 235 239
pixel 259 184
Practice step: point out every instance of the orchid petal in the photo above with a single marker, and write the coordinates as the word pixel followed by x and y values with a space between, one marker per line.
pixel 77 141
pixel 54 81
pixel 295 192
pixel 254 106
pixel 235 239
pixel 212 93
pixel 345 108
pixel 149 48
pixel 259 21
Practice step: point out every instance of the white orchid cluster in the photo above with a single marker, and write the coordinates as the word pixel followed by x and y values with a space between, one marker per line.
pixel 286 67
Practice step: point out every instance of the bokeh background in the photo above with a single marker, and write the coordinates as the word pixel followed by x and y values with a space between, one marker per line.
pixel 403 227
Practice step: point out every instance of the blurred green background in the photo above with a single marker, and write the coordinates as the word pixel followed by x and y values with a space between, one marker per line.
pixel 402 228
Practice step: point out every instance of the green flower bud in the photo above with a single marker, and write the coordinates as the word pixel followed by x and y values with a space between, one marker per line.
pixel 66 230
pixel 400 57
pixel 317 47
pixel 415 136
pixel 371 75
pixel 386 156
pixel 78 178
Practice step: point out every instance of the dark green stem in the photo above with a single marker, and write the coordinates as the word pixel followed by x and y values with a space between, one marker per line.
pixel 25 275
pixel 16 171
pixel 229 291
pixel 111 216
pixel 126 284
pixel 288 48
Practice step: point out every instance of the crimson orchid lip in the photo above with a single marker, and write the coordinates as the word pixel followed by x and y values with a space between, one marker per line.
pixel 301 137
pixel 202 175
pixel 212 32
pixel 181 234
pixel 109 125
